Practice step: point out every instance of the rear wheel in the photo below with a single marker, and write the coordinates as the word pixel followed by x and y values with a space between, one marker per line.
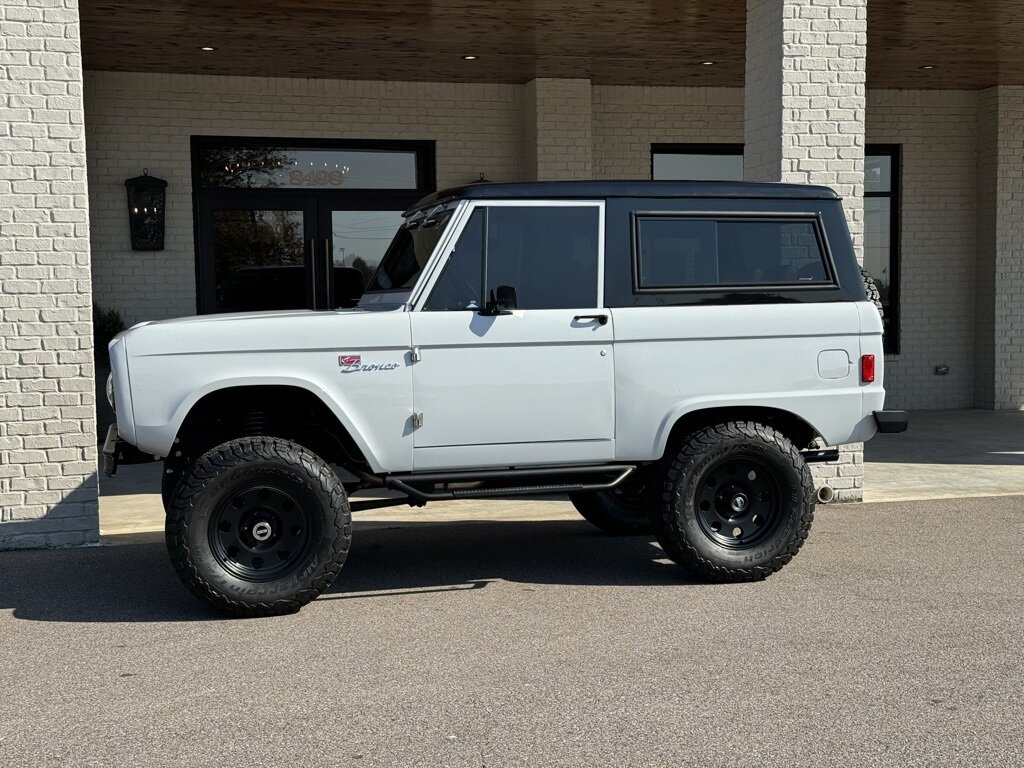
pixel 624 510
pixel 258 527
pixel 737 502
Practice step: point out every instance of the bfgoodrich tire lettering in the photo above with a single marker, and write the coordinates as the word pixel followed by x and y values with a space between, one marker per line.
pixel 719 482
pixel 258 526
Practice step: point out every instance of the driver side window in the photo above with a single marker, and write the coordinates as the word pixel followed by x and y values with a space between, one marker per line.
pixel 549 254
pixel 459 284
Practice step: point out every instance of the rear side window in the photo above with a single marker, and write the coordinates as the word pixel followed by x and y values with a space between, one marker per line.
pixel 674 252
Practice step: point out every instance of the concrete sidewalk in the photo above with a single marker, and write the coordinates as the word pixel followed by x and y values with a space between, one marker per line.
pixel 947 454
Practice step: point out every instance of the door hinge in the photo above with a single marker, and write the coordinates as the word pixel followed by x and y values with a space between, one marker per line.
pixel 414 353
pixel 417 419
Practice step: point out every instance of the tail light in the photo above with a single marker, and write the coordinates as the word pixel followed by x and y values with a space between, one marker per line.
pixel 867 368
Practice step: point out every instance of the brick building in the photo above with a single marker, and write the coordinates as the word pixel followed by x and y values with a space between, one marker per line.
pixel 913 112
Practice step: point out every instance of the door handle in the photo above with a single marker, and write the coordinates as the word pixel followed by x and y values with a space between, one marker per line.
pixel 601 319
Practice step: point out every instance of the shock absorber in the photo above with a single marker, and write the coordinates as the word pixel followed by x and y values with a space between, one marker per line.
pixel 255 423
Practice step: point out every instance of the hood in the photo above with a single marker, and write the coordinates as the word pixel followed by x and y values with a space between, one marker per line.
pixel 248 316
pixel 240 332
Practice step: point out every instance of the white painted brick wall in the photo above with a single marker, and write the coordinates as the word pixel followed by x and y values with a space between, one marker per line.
pixel 1001 248
pixel 47 408
pixel 137 120
pixel 628 120
pixel 557 130
pixel 937 133
pixel 804 110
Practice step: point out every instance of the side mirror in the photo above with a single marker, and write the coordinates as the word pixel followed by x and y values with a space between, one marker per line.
pixel 501 301
pixel 348 287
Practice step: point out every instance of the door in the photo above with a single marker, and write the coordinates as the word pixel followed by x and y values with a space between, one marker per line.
pixel 277 220
pixel 533 385
pixel 258 254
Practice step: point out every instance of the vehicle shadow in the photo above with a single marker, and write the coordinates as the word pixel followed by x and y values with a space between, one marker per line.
pixel 134 582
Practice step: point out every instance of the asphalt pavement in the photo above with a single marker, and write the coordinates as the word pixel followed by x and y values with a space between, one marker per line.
pixel 895 638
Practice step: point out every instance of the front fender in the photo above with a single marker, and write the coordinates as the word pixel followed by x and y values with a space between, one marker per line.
pixel 159 438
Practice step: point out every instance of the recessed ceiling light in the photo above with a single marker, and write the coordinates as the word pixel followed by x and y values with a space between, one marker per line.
pixel 469 57
pixel 706 63
pixel 207 48
pixel 927 66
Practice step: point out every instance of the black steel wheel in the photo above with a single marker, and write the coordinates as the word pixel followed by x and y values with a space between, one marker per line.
pixel 258 526
pixel 624 510
pixel 737 502
pixel 258 532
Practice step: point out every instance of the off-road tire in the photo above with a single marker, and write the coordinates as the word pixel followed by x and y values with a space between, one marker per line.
pixel 871 289
pixel 681 523
pixel 212 487
pixel 619 511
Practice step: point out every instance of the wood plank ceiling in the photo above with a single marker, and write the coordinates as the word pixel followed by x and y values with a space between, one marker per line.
pixel 970 43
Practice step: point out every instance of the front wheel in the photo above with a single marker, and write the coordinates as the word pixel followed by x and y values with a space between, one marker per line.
pixel 258 527
pixel 737 503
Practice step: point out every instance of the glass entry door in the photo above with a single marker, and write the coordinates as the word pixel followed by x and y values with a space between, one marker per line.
pixel 257 255
pixel 281 222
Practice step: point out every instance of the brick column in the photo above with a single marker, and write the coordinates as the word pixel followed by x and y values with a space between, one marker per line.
pixel 47 402
pixel 999 364
pixel 804 101
pixel 557 132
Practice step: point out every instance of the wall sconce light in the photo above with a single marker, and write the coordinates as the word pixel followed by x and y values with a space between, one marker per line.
pixel 146 197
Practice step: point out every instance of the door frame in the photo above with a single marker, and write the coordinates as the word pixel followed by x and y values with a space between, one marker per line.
pixel 323 201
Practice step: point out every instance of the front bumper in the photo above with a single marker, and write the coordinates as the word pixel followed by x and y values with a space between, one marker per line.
pixel 111 451
pixel 891 421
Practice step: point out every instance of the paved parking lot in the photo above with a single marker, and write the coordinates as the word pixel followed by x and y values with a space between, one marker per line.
pixel 895 638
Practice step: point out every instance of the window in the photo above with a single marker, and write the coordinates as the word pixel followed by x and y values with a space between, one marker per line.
pixel 692 252
pixel 724 162
pixel 459 284
pixel 281 222
pixel 882 233
pixel 409 252
pixel 548 254
pixel 697 162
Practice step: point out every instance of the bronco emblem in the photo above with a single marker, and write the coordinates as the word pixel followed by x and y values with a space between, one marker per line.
pixel 354 363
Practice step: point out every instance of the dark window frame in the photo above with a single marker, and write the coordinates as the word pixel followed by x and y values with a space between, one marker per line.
pixel 891 339
pixel 814 220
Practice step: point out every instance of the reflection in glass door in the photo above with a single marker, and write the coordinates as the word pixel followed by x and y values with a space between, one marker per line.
pixel 259 258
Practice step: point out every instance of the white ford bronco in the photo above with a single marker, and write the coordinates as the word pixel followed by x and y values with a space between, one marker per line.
pixel 670 355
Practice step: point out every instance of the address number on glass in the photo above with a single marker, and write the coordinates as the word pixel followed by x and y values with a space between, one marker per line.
pixel 320 178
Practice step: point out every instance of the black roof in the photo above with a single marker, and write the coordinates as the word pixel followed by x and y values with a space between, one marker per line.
pixel 596 190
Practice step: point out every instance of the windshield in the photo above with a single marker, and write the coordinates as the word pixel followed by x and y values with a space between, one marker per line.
pixel 409 251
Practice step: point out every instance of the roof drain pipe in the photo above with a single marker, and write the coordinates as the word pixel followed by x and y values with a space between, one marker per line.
pixel 826 494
